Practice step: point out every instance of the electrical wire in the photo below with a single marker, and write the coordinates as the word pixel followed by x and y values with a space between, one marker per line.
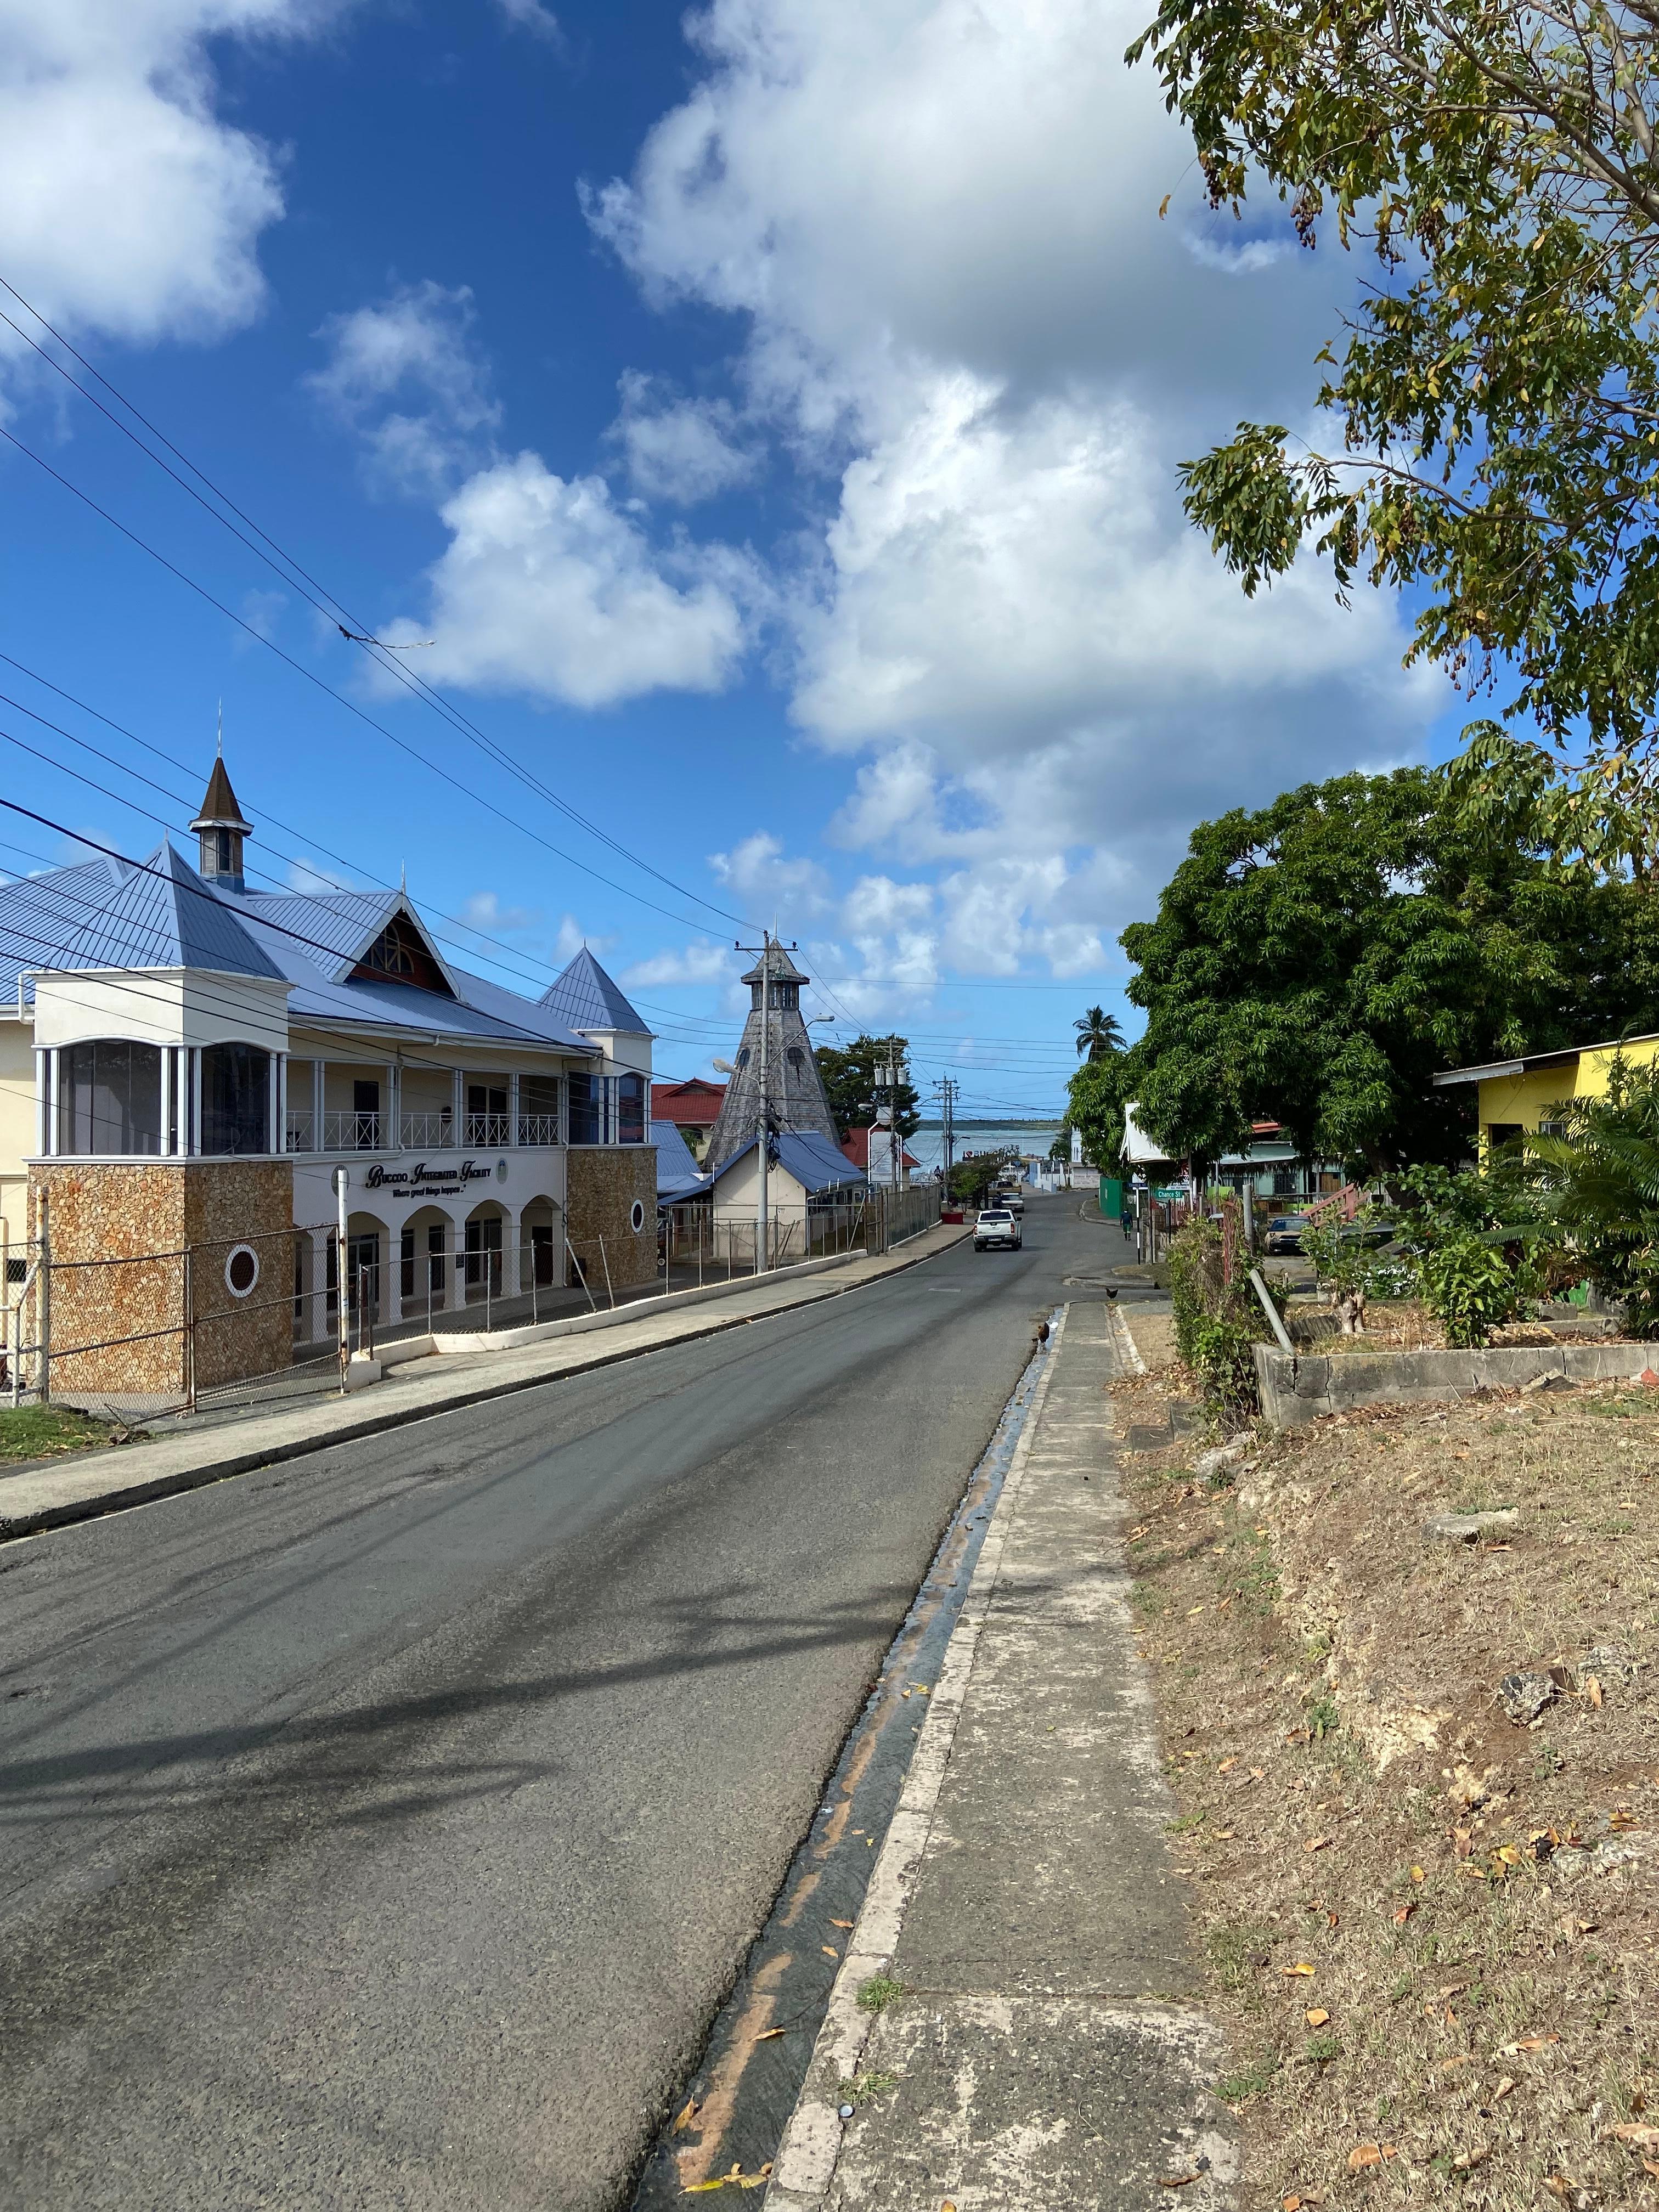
pixel 351 707
pixel 300 580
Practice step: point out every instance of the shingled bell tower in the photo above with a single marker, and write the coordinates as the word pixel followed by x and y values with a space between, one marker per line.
pixel 794 1089
pixel 222 830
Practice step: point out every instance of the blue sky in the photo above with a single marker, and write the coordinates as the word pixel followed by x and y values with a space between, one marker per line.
pixel 770 418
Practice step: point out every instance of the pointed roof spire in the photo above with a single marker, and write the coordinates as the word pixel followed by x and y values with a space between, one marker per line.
pixel 219 808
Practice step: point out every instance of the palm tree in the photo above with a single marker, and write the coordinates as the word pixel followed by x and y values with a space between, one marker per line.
pixel 1098 1034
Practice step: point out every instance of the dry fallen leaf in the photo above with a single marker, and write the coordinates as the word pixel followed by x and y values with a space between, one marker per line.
pixel 1301 1967
pixel 1366 2154
pixel 1317 2017
pixel 1528 2043
pixel 1176 2180
pixel 1591 1688
pixel 1639 2132
pixel 686 2112
pixel 1417 1874
pixel 829 1951
pixel 1403 1915
pixel 1504 2087
pixel 841 1924
pixel 1226 1767
pixel 767 2033
pixel 1317 1844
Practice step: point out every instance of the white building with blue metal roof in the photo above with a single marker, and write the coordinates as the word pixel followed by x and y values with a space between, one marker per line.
pixel 186 1062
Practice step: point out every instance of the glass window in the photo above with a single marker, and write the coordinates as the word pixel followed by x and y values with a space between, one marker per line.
pixel 630 1109
pixel 585 1103
pixel 235 1099
pixel 109 1097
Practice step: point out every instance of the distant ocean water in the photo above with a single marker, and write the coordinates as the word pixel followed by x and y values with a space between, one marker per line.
pixel 927 1146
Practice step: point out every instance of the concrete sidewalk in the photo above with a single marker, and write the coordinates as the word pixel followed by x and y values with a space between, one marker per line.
pixel 84 1485
pixel 1041 2053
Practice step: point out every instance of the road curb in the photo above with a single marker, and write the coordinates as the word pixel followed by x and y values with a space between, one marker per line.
pixel 183 1480
pixel 805 2164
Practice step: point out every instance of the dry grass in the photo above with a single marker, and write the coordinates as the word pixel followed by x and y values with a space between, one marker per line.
pixel 1353 1800
pixel 1405 1325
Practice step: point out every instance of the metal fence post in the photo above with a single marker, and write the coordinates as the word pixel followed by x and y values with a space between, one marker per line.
pixel 605 1264
pixel 190 1331
pixel 43 1299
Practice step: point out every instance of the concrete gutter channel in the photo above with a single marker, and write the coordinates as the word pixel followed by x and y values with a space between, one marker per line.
pixel 82 1486
pixel 1042 2049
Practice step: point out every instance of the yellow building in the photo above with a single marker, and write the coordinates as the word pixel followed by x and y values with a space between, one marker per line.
pixel 1518 1096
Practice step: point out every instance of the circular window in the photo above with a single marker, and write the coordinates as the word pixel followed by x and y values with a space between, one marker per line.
pixel 241 1270
pixel 638 1217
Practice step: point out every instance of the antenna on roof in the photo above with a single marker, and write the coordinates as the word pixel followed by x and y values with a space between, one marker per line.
pixel 403 878
pixel 221 754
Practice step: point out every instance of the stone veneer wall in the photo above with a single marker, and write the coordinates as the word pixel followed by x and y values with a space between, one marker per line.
pixel 136 1218
pixel 601 1184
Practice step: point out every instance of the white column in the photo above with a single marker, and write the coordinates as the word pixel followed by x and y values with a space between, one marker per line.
pixel 392 1276
pixel 317 1330
pixel 165 1145
pixel 193 1138
pixel 513 1107
pixel 457 1106
pixel 509 1252
pixel 42 1100
pixel 389 1110
pixel 278 1095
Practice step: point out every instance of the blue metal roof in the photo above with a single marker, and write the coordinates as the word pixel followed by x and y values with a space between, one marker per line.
pixel 811 1158
pixel 586 998
pixel 678 1174
pixel 105 914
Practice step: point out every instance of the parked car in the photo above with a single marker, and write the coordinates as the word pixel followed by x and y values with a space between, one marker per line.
pixel 996 1226
pixel 1282 1234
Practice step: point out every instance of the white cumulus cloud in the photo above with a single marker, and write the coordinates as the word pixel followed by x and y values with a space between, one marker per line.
pixel 937 221
pixel 549 587
pixel 679 449
pixel 127 204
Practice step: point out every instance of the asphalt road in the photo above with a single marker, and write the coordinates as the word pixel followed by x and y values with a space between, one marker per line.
pixel 383 1831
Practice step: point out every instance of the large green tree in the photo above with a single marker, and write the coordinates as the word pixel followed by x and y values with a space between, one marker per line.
pixel 1493 398
pixel 1315 962
pixel 849 1083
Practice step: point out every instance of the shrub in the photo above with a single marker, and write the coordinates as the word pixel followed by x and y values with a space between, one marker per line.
pixel 1215 1320
pixel 1598 1170
pixel 1481 1245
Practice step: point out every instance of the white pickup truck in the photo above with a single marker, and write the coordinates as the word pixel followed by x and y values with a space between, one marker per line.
pixel 997 1226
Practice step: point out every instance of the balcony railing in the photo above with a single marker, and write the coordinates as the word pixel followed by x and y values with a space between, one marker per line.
pixel 344 1132
pixel 351 1133
pixel 426 1132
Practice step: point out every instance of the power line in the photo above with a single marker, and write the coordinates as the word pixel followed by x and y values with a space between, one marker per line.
pixel 308 587
pixel 526 962
pixel 311 676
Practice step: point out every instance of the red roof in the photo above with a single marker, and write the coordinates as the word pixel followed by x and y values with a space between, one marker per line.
pixel 856 1146
pixel 689 1103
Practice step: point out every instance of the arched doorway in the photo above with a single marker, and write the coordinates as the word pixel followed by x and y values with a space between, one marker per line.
pixel 426 1246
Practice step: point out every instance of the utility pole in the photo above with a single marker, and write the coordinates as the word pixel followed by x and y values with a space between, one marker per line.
pixel 948 1089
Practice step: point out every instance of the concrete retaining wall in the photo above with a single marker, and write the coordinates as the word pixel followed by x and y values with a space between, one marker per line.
pixel 510 1339
pixel 1303 1387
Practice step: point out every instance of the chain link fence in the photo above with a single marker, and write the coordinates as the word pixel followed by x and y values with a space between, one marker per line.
pixel 244 1320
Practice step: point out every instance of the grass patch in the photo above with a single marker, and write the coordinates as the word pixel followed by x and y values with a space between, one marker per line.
pixel 1250 2081
pixel 863 2088
pixel 879 1992
pixel 43 1432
